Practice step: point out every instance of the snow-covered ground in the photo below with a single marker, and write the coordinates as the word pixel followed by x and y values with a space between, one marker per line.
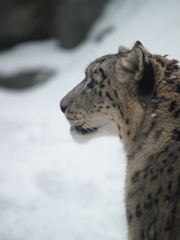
pixel 50 187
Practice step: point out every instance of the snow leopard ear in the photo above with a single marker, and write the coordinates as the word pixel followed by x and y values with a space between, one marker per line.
pixel 138 44
pixel 138 63
pixel 145 80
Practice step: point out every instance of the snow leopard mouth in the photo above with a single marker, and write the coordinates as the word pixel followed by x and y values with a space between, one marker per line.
pixel 82 130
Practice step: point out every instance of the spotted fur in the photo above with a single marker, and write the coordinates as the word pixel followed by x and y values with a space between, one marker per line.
pixel 136 95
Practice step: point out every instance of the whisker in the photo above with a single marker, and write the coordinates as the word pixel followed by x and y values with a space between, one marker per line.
pixel 100 129
pixel 86 128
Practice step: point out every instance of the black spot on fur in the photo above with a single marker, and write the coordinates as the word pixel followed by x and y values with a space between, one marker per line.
pixel 171 154
pixel 164 161
pixel 149 202
pixel 129 216
pixel 128 133
pixel 176 114
pixel 140 147
pixel 135 177
pixel 159 191
pixel 127 121
pixel 166 149
pixel 134 138
pixel 154 94
pixel 172 106
pixel 156 201
pixel 142 235
pixel 120 111
pixel 115 93
pixel 178 88
pixel 158 134
pixel 151 157
pixel 114 105
pixel 146 84
pixel 154 177
pixel 176 135
pixel 169 186
pixel 148 205
pixel 101 86
pixel 109 96
pixel 138 211
pixel 167 199
pixel 149 196
pixel 153 124
pixel 168 225
pixel 170 82
pixel 102 73
pixel 107 107
pixel 109 82
pixel 170 170
pixel 100 93
pixel 152 230
pixel 156 106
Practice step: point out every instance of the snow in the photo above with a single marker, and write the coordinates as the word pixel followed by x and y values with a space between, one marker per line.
pixel 50 187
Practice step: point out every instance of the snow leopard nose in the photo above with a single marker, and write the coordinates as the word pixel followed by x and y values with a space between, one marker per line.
pixel 63 108
pixel 65 102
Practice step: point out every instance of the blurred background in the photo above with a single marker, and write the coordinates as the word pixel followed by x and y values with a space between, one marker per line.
pixel 50 187
pixel 67 21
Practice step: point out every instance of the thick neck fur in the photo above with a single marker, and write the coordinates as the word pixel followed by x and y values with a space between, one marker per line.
pixel 159 125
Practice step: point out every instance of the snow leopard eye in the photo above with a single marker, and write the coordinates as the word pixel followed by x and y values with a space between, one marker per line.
pixel 91 84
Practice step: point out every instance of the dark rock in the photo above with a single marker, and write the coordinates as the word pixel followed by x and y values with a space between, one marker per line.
pixel 66 20
pixel 26 79
pixel 74 18
pixel 23 20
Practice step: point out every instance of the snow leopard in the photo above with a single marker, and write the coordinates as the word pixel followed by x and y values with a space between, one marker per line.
pixel 135 95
